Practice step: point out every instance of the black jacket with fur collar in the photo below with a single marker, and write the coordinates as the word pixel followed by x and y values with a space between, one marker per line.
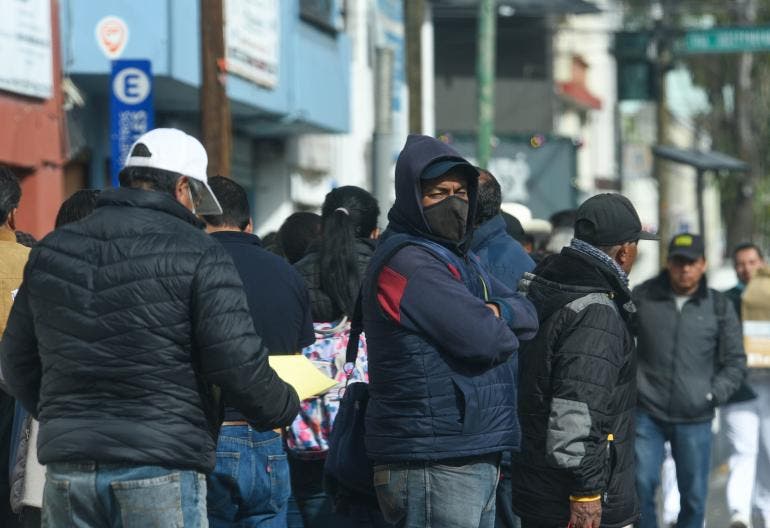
pixel 577 394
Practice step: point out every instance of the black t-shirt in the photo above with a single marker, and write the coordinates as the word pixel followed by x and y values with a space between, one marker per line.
pixel 276 293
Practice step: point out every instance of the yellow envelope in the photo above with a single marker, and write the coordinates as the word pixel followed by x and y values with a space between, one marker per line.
pixel 299 372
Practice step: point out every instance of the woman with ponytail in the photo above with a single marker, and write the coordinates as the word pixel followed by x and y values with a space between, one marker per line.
pixel 334 267
pixel 333 270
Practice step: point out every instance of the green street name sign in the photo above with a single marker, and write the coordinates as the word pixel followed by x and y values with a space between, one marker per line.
pixel 726 40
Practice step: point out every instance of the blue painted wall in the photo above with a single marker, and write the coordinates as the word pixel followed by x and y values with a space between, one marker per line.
pixel 314 70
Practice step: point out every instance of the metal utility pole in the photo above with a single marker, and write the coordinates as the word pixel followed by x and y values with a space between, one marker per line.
pixel 659 166
pixel 414 11
pixel 742 226
pixel 216 126
pixel 485 79
pixel 382 141
pixel 662 65
pixel 700 186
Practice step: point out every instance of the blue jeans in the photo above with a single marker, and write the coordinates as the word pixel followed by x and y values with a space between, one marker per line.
pixel 89 495
pixel 504 515
pixel 313 507
pixel 446 494
pixel 250 485
pixel 691 450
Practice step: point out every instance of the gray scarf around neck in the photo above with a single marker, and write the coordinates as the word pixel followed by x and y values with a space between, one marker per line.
pixel 587 249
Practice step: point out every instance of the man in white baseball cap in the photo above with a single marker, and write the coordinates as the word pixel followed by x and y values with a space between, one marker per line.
pixel 172 151
pixel 128 331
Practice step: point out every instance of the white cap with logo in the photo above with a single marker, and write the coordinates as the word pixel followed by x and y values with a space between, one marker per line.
pixel 172 150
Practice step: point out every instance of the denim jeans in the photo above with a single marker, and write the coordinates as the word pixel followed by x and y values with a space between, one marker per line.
pixel 90 495
pixel 691 450
pixel 313 507
pixel 250 485
pixel 318 512
pixel 504 515
pixel 442 494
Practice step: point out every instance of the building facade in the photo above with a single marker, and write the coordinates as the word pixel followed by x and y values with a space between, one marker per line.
pixel 32 134
pixel 288 66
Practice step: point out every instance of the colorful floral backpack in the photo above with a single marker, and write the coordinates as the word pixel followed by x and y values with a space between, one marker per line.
pixel 308 437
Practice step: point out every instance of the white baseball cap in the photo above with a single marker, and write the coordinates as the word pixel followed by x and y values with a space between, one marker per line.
pixel 172 150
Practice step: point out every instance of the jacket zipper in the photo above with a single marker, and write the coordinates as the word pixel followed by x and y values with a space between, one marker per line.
pixel 484 288
pixel 608 455
pixel 674 355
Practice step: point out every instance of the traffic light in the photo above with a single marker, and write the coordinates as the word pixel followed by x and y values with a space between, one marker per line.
pixel 635 69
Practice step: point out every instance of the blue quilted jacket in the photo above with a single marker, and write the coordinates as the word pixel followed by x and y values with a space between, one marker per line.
pixel 442 366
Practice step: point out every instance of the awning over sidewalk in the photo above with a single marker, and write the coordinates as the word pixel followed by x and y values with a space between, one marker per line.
pixel 700 160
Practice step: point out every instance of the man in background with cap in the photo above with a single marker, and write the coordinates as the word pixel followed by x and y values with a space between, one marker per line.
pixel 578 381
pixel 690 359
pixel 442 336
pixel 128 330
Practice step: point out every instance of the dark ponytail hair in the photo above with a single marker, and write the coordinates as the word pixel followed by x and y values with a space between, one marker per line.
pixel 348 213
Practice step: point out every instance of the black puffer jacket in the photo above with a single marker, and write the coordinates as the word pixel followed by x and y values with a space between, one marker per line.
pixel 577 394
pixel 324 309
pixel 123 325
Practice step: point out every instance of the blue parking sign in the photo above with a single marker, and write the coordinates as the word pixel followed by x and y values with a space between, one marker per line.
pixel 131 109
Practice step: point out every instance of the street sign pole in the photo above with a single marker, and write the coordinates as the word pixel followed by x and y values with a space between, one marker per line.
pixel 131 109
pixel 485 79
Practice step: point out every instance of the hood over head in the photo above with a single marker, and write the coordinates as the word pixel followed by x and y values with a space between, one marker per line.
pixel 427 157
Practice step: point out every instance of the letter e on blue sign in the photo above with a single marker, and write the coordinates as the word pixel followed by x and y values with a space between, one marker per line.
pixel 131 109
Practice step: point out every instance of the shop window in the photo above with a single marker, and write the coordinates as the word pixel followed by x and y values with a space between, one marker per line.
pixel 325 14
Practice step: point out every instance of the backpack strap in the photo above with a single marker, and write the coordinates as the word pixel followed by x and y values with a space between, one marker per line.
pixel 720 310
pixel 385 251
pixel 356 328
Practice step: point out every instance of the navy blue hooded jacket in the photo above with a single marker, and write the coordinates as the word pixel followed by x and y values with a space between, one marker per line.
pixel 499 253
pixel 277 298
pixel 442 367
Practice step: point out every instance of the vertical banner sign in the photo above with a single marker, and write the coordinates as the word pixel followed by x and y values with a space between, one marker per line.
pixel 131 109
pixel 25 48
pixel 252 40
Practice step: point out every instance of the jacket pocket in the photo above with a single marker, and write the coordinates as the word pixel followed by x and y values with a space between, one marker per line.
pixel 468 405
pixel 690 401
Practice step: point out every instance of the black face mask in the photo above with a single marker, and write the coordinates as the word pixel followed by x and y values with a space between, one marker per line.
pixel 448 218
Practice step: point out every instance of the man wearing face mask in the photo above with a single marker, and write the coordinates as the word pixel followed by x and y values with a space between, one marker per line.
pixel 128 330
pixel 441 334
